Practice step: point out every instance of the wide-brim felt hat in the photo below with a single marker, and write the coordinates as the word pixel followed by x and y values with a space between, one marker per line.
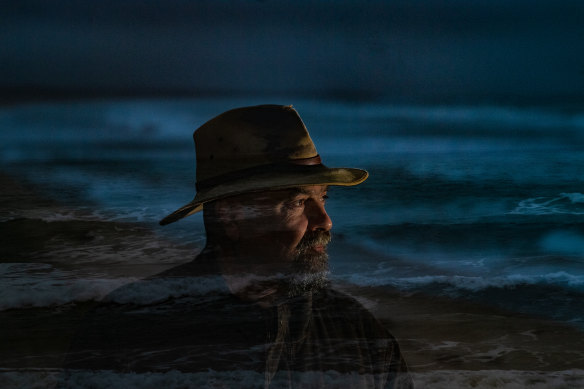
pixel 264 147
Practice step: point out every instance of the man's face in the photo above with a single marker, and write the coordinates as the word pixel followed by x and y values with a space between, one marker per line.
pixel 284 231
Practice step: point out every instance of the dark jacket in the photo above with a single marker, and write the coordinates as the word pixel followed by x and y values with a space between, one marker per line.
pixel 322 338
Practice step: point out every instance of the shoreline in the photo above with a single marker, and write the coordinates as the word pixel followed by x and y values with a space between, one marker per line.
pixel 435 334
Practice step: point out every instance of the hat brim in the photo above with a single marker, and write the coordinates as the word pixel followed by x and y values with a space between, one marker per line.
pixel 312 175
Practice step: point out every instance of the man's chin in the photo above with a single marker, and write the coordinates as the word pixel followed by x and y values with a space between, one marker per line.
pixel 309 263
pixel 311 273
pixel 304 283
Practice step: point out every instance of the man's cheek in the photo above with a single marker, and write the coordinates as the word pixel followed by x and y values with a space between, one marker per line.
pixel 286 240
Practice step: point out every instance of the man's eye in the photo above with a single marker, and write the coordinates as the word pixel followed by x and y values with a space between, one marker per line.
pixel 324 198
pixel 296 203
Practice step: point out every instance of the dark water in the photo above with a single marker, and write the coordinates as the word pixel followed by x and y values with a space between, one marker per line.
pixel 476 202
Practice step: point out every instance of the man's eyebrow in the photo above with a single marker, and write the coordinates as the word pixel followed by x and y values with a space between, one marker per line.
pixel 304 191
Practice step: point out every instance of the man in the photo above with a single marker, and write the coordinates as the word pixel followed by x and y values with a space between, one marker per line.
pixel 264 312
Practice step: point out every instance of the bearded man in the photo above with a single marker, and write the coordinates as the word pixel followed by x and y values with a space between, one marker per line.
pixel 271 318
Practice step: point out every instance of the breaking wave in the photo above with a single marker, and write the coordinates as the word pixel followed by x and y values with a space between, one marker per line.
pixel 467 283
pixel 48 292
pixel 565 203
pixel 45 287
pixel 36 293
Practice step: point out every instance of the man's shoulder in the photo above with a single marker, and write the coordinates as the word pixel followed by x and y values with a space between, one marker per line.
pixel 331 292
pixel 346 310
pixel 336 299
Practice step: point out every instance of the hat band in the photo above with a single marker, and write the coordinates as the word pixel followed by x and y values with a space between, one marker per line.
pixel 302 164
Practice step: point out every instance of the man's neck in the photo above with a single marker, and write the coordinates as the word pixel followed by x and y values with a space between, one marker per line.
pixel 249 278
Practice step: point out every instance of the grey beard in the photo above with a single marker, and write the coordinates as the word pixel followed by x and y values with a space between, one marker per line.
pixel 308 261
pixel 310 269
pixel 300 284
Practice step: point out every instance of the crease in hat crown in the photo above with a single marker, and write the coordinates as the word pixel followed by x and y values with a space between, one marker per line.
pixel 257 148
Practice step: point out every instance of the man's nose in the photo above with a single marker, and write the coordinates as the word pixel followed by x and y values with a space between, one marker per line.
pixel 318 219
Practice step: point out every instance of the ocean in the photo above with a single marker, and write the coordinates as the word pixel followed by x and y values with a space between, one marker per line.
pixel 480 204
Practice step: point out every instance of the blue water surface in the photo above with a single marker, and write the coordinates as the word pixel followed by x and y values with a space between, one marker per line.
pixel 477 202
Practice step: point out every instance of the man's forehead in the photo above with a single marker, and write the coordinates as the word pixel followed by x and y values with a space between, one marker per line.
pixel 282 194
pixel 304 190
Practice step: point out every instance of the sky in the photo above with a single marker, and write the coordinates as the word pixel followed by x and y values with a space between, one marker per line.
pixel 403 49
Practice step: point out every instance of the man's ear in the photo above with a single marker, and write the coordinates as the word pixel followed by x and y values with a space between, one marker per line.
pixel 229 212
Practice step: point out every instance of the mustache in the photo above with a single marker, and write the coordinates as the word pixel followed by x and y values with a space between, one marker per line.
pixel 314 238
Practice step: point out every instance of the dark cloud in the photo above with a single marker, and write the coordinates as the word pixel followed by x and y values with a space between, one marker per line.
pixel 399 48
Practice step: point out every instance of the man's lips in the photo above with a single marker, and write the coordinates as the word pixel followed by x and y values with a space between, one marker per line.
pixel 318 248
pixel 315 242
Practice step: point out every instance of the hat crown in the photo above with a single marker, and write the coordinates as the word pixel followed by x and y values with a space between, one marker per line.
pixel 247 137
pixel 254 149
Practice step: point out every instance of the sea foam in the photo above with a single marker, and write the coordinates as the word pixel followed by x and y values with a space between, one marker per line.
pixel 36 292
pixel 564 203
pixel 19 293
pixel 42 287
pixel 452 283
